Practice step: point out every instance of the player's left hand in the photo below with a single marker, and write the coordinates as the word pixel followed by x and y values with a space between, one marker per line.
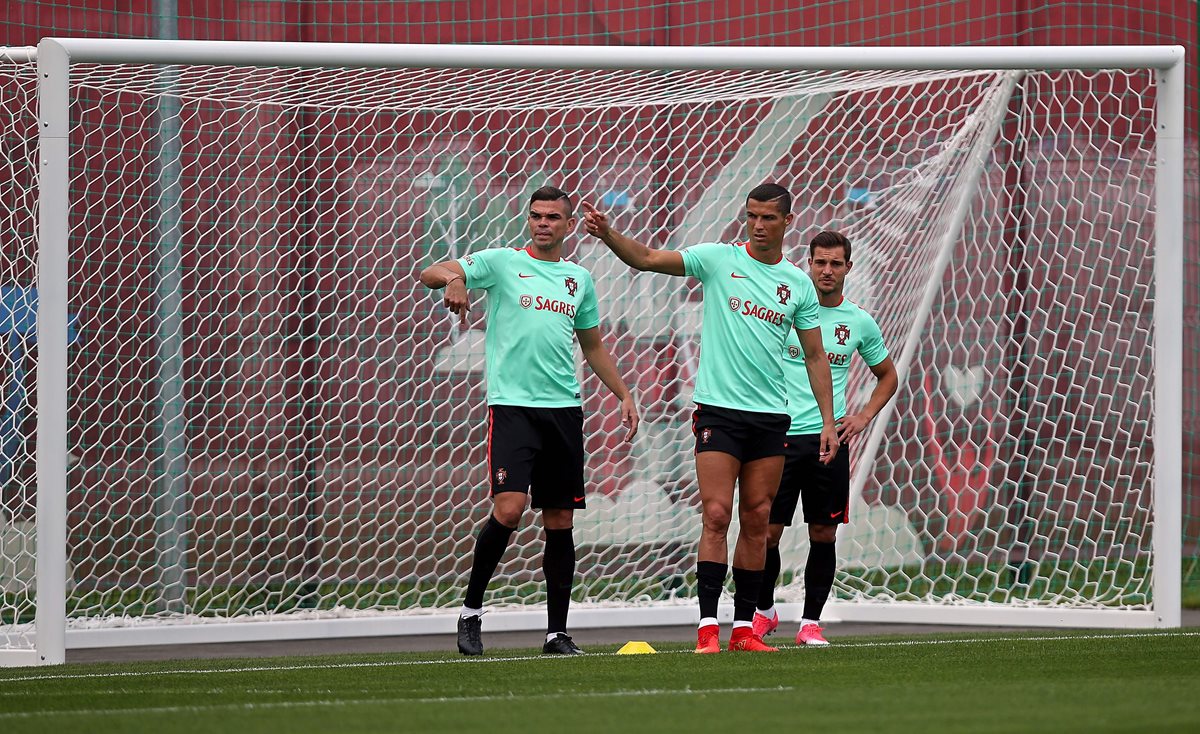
pixel 849 427
pixel 829 444
pixel 629 417
pixel 594 220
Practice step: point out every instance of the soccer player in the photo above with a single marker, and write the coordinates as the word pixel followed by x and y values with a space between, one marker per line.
pixel 538 304
pixel 824 489
pixel 753 298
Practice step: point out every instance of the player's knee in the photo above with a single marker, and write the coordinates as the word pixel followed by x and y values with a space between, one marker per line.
pixel 717 518
pixel 822 533
pixel 774 535
pixel 558 519
pixel 507 516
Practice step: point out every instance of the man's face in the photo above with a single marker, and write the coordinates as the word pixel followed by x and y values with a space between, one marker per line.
pixel 765 223
pixel 828 267
pixel 549 223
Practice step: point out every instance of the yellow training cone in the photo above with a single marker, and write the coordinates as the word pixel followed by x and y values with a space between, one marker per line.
pixel 636 648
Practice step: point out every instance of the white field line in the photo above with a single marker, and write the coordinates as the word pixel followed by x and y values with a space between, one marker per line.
pixel 6 679
pixel 271 705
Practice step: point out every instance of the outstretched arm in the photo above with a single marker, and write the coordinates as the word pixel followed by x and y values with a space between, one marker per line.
pixel 885 388
pixel 821 381
pixel 632 253
pixel 453 278
pixel 602 364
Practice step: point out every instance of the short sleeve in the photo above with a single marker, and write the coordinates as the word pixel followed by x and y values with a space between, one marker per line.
pixel 587 316
pixel 483 267
pixel 808 309
pixel 871 347
pixel 700 260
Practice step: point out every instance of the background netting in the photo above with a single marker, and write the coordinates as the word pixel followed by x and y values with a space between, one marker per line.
pixel 271 415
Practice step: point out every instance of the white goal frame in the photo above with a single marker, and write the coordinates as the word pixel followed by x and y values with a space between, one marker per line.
pixel 55 57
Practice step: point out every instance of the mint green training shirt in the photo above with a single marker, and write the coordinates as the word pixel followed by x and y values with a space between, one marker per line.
pixel 534 308
pixel 749 310
pixel 845 329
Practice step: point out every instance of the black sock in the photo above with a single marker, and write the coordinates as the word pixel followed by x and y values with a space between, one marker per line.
pixel 558 566
pixel 818 578
pixel 766 592
pixel 490 544
pixel 746 584
pixel 710 578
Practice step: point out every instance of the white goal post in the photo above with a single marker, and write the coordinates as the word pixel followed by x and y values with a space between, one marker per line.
pixel 252 423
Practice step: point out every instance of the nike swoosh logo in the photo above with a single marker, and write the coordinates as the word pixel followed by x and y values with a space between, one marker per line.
pixel 835 514
pixel 735 275
pixel 523 275
pixel 579 499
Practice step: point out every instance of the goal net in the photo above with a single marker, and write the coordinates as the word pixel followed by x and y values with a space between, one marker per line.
pixel 269 420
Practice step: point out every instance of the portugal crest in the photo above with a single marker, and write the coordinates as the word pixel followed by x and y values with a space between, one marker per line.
pixel 841 332
pixel 705 435
pixel 501 475
pixel 784 294
pixel 526 301
pixel 571 285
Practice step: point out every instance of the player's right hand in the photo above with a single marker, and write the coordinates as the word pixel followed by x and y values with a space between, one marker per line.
pixel 829 444
pixel 594 220
pixel 629 417
pixel 457 301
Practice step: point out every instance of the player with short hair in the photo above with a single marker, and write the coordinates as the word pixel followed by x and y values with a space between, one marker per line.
pixel 538 305
pixel 753 298
pixel 824 489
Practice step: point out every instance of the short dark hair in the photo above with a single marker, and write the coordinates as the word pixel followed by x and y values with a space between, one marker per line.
pixel 550 193
pixel 829 238
pixel 772 192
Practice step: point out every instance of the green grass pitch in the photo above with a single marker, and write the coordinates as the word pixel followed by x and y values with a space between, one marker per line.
pixel 1040 681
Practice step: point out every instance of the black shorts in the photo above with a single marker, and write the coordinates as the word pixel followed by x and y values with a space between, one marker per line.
pixel 745 435
pixel 538 451
pixel 824 489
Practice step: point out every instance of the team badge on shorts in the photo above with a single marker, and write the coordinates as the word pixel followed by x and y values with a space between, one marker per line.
pixel 705 435
pixel 526 301
pixel 501 475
